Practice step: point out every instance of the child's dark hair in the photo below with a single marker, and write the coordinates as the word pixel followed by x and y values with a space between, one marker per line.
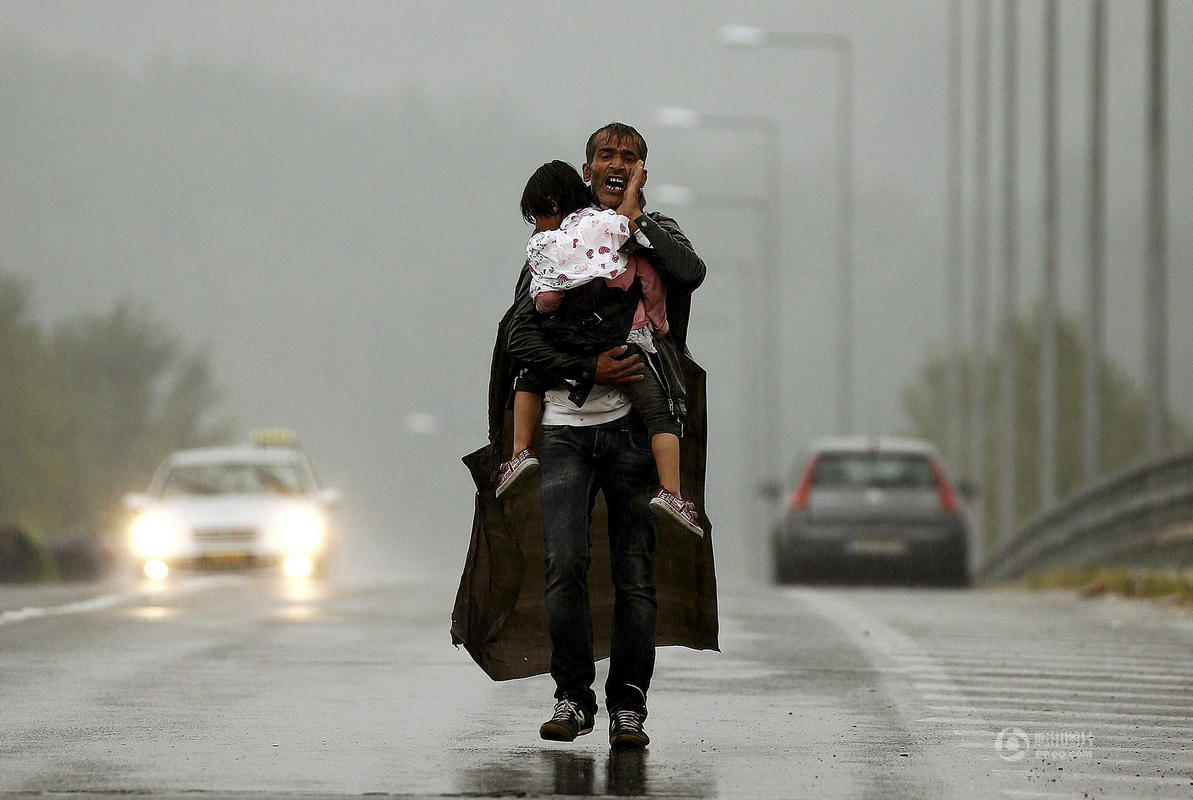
pixel 554 188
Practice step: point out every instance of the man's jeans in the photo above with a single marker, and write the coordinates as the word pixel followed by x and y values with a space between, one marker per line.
pixel 576 462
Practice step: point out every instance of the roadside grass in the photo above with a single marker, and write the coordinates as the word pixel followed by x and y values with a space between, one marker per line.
pixel 1176 587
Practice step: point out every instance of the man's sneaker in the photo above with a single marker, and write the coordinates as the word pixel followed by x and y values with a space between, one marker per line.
pixel 667 506
pixel 568 722
pixel 513 471
pixel 625 729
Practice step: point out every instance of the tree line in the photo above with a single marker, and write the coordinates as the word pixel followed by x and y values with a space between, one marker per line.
pixel 1123 415
pixel 88 407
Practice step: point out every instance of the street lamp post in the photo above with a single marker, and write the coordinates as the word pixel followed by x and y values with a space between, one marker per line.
pixel 955 381
pixel 1048 354
pixel 747 36
pixel 1097 243
pixel 1010 255
pixel 981 269
pixel 1157 236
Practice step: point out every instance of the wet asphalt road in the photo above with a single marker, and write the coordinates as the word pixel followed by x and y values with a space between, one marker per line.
pixel 250 685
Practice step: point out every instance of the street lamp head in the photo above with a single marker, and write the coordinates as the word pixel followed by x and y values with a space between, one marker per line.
pixel 676 117
pixel 742 36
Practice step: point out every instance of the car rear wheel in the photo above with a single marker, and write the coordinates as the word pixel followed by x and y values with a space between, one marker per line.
pixel 785 571
pixel 954 570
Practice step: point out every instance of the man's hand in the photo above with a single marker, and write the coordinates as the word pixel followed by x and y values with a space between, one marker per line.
pixel 631 202
pixel 615 368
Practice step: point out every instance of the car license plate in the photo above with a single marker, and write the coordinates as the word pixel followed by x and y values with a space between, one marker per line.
pixel 226 559
pixel 887 548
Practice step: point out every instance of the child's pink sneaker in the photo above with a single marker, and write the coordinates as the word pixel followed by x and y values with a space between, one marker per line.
pixel 669 507
pixel 513 471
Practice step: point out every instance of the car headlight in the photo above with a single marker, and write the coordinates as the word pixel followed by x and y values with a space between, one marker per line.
pixel 301 530
pixel 154 533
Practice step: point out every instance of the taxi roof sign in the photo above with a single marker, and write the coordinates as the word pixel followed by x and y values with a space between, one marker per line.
pixel 274 437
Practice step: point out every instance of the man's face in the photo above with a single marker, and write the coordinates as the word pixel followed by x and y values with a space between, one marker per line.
pixel 610 167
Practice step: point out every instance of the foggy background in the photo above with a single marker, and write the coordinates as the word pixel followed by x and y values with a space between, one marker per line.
pixel 324 195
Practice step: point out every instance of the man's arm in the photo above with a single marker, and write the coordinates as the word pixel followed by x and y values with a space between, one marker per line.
pixel 670 252
pixel 527 345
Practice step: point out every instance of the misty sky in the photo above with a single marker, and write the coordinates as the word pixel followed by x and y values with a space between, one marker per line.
pixel 561 70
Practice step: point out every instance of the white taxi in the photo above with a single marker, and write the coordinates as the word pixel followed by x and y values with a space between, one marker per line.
pixel 250 505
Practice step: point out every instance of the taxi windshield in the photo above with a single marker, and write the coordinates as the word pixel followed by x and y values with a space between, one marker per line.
pixel 215 479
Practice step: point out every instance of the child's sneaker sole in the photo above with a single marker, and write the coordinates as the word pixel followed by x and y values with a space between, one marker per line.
pixel 665 511
pixel 523 471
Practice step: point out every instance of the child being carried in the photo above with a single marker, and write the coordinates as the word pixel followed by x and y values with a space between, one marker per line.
pixel 576 243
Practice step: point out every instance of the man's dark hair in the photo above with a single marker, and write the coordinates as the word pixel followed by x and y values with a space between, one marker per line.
pixel 615 131
pixel 554 188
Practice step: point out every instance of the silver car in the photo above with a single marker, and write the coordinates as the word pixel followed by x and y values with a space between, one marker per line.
pixel 873 508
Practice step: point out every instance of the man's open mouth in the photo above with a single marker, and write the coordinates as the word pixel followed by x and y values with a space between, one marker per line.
pixel 615 183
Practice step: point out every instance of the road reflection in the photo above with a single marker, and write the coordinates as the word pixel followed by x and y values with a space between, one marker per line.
pixel 573 773
pixel 577 773
pixel 625 772
pixel 152 613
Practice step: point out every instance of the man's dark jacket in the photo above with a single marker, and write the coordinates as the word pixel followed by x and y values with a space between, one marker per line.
pixel 500 613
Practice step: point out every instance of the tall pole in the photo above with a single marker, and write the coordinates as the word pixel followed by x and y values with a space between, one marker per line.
pixel 771 331
pixel 1010 262
pixel 845 228
pixel 772 326
pixel 981 263
pixel 1156 311
pixel 1048 359
pixel 1097 249
pixel 953 269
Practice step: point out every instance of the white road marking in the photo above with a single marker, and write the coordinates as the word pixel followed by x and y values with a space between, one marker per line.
pixel 991 703
pixel 869 633
pixel 1104 743
pixel 1077 714
pixel 1132 706
pixel 1066 668
pixel 1049 687
pixel 104 601
pixel 1004 658
pixel 1055 675
pixel 1130 738
pixel 1030 721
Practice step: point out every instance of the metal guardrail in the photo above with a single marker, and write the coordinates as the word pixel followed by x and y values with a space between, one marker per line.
pixel 1140 517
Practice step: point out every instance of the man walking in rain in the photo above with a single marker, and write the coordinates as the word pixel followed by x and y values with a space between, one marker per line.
pixel 592 441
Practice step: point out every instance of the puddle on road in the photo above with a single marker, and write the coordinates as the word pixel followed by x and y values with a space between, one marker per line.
pixel 579 773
